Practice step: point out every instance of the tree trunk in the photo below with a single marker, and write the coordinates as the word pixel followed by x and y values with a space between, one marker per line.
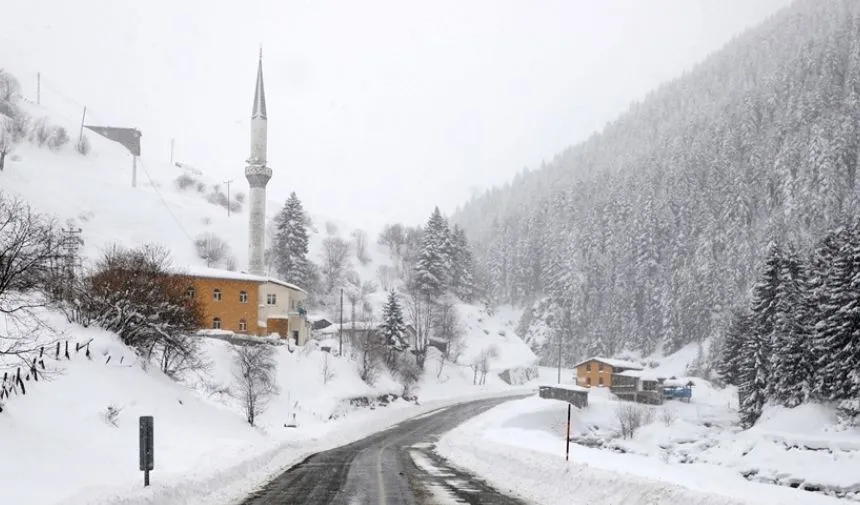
pixel 2 159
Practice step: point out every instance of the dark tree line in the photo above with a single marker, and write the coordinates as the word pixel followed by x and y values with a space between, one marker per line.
pixel 799 339
pixel 648 233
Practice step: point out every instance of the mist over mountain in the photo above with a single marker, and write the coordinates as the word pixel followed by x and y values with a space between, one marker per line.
pixel 648 233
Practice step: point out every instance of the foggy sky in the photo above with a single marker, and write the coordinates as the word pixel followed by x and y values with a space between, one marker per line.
pixel 377 110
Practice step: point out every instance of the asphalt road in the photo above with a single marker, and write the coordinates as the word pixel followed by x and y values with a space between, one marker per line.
pixel 394 467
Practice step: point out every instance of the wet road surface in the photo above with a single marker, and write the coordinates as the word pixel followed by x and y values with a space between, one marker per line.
pixel 394 467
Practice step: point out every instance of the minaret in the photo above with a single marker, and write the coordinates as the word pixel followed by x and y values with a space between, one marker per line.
pixel 258 175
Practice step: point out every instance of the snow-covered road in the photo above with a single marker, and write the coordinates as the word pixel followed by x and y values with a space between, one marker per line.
pixel 394 467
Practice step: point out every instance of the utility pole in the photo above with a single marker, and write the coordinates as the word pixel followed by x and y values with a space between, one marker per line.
pixel 38 88
pixel 172 142
pixel 228 195
pixel 83 119
pixel 340 333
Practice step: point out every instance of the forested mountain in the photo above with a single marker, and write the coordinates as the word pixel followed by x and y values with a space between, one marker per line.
pixel 652 231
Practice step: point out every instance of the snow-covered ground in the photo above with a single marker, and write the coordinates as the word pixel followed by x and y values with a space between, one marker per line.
pixel 686 453
pixel 62 448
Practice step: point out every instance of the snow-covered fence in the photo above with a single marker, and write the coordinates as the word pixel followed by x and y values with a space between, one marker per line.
pixel 15 379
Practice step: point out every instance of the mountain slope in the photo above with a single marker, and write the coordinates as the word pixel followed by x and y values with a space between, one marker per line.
pixel 646 234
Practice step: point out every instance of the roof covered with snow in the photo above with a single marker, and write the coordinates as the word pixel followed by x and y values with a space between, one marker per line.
pixel 568 387
pixel 217 273
pixel 642 374
pixel 614 363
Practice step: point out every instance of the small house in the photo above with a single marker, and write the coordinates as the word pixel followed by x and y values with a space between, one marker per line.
pixel 600 371
pixel 638 386
pixel 249 304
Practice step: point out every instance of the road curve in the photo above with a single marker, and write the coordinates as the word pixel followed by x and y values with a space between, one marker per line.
pixel 394 467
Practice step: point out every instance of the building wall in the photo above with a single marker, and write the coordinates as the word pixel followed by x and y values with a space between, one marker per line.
pixel 287 303
pixel 229 309
pixel 595 371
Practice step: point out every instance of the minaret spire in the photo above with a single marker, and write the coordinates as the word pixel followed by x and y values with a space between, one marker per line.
pixel 259 91
pixel 258 175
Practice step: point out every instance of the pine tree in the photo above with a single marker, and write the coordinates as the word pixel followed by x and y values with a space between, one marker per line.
pixel 291 243
pixel 837 340
pixel 392 327
pixel 731 354
pixel 431 270
pixel 790 360
pixel 755 366
pixel 462 267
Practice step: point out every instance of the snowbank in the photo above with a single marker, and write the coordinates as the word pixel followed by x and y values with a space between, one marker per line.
pixel 519 447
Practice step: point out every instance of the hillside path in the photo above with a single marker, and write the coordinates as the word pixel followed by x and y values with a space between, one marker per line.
pixel 393 467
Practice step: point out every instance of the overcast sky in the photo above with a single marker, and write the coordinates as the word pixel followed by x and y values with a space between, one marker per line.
pixel 377 110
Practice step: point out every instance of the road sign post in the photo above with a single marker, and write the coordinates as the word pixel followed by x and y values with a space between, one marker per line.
pixel 147 449
pixel 567 438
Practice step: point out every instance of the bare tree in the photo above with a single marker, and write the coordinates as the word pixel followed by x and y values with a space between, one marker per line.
pixel 631 416
pixel 447 328
pixel 394 237
pixel 386 275
pixel 483 362
pixel 29 247
pixel 212 248
pixel 5 146
pixel 359 243
pixel 335 257
pixel 409 374
pixel 255 374
pixel 419 312
pixel 370 353
pixel 668 415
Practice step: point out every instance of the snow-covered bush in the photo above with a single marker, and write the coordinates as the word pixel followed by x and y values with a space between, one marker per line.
pixel 9 86
pixel 185 181
pixel 57 137
pixel 668 415
pixel 213 249
pixel 134 293
pixel 111 415
pixel 83 146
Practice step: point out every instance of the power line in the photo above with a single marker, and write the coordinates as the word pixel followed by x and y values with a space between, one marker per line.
pixel 164 202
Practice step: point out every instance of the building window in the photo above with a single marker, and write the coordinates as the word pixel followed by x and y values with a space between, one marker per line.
pixel 588 367
pixel 243 296
pixel 600 380
pixel 190 292
pixel 600 367
pixel 588 381
pixel 243 326
pixel 293 304
pixel 216 294
pixel 216 323
pixel 271 299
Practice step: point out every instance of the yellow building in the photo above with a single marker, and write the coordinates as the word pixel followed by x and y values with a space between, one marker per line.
pixel 249 304
pixel 598 371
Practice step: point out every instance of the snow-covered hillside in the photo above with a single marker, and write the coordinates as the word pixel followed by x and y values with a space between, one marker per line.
pixel 78 424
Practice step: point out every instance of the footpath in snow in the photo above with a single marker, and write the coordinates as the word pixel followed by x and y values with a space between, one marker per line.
pixel 687 453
